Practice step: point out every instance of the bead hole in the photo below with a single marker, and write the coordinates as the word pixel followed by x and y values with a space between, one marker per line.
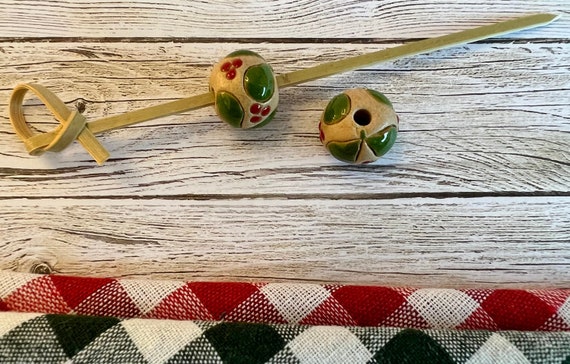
pixel 362 117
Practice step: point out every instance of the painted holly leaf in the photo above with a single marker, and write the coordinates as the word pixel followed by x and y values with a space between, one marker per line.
pixel 259 82
pixel 243 52
pixel 229 108
pixel 336 109
pixel 380 97
pixel 382 142
pixel 345 151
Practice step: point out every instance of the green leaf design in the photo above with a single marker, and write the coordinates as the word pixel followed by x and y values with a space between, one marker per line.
pixel 229 108
pixel 337 109
pixel 380 97
pixel 382 141
pixel 259 82
pixel 243 52
pixel 344 151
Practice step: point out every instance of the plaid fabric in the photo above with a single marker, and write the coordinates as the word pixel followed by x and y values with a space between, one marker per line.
pixel 51 338
pixel 280 303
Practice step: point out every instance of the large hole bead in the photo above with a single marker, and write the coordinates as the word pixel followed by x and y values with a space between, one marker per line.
pixel 245 89
pixel 358 126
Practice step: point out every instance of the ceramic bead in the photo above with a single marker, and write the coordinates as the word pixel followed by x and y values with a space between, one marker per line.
pixel 245 88
pixel 358 126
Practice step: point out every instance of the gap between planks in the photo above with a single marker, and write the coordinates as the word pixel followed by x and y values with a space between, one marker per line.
pixel 249 41
pixel 294 197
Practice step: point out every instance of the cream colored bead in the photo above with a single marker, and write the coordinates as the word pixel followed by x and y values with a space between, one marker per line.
pixel 358 126
pixel 245 88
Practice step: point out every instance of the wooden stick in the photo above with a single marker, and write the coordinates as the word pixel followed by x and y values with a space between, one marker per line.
pixel 415 48
pixel 331 68
pixel 38 144
pixel 152 112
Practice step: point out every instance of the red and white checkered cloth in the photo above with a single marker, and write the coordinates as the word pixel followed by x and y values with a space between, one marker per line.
pixel 309 304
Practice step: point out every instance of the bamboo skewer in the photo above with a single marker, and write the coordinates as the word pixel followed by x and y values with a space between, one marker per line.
pixel 152 112
pixel 68 130
pixel 331 68
pixel 415 48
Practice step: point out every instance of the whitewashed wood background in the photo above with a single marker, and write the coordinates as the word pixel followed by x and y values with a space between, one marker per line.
pixel 475 193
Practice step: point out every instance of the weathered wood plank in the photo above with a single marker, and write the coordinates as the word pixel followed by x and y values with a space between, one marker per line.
pixel 479 118
pixel 426 242
pixel 384 19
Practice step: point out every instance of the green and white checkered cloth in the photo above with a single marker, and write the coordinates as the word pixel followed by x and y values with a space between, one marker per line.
pixel 52 338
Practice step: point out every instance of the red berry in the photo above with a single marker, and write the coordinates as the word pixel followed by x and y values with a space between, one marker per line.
pixel 237 63
pixel 266 110
pixel 255 119
pixel 231 74
pixel 255 108
pixel 226 67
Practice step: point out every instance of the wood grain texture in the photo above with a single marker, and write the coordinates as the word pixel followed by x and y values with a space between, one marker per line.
pixel 482 242
pixel 384 19
pixel 479 118
pixel 474 193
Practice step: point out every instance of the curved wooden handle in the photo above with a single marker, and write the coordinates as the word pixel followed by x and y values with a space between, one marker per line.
pixel 72 125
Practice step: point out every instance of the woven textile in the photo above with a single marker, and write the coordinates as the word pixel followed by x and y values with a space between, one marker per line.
pixel 87 339
pixel 279 303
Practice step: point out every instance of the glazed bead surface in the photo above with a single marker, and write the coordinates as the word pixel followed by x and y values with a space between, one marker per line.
pixel 358 126
pixel 245 88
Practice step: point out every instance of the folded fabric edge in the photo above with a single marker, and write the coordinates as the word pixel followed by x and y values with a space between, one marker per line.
pixel 289 303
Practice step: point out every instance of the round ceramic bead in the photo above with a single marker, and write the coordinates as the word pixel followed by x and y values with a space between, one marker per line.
pixel 245 90
pixel 358 126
